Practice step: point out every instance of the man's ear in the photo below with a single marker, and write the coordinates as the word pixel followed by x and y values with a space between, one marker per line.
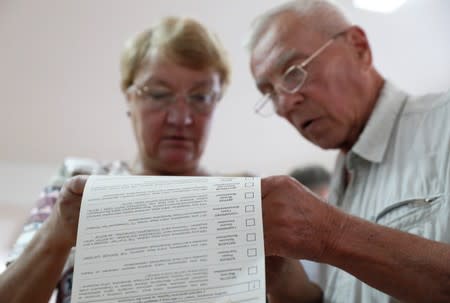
pixel 357 39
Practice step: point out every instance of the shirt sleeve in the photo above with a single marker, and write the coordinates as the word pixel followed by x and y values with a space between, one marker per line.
pixel 47 199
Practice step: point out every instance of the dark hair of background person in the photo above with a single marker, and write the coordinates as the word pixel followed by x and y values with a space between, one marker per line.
pixel 311 176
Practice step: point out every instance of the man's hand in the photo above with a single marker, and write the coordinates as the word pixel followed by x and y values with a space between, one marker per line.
pixel 277 269
pixel 286 281
pixel 297 224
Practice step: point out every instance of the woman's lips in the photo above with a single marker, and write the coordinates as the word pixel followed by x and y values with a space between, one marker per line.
pixel 177 140
pixel 176 137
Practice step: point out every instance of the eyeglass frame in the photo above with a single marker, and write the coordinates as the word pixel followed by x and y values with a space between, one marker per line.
pixel 268 97
pixel 139 91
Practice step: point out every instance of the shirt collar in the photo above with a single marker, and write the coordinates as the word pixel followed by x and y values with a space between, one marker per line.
pixel 374 139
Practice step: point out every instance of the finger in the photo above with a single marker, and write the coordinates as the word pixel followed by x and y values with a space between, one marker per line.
pixel 73 188
pixel 75 185
pixel 266 186
pixel 271 247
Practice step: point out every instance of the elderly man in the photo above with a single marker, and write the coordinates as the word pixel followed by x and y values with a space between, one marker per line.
pixel 386 228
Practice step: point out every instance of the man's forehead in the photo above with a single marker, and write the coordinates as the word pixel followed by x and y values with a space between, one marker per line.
pixel 278 45
pixel 274 60
pixel 275 31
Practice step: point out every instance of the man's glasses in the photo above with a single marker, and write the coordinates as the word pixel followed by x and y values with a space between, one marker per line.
pixel 290 82
pixel 158 99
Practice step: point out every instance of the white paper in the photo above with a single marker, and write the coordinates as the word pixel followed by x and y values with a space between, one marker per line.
pixel 170 239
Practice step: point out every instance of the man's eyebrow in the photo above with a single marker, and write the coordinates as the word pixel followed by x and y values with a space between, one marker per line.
pixel 286 58
pixel 280 65
pixel 263 85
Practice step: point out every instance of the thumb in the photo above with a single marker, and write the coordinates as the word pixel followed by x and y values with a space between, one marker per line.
pixel 74 186
pixel 267 185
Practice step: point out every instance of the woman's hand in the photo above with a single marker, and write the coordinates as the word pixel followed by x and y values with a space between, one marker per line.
pixel 34 275
pixel 63 222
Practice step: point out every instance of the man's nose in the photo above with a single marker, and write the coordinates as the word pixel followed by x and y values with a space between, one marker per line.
pixel 287 102
pixel 180 113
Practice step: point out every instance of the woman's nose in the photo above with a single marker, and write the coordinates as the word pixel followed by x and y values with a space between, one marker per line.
pixel 180 113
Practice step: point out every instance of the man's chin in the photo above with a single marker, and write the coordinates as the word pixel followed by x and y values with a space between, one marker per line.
pixel 322 142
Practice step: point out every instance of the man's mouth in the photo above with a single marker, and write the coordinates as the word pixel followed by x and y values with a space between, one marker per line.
pixel 306 124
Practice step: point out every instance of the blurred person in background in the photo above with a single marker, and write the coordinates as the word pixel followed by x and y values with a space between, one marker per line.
pixel 315 177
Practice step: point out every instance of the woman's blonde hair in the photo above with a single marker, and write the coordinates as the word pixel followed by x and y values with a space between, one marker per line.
pixel 181 40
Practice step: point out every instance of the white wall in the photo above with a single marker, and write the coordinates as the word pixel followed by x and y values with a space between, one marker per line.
pixel 60 96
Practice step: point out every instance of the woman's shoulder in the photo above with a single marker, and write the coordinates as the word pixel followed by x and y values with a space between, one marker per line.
pixel 73 166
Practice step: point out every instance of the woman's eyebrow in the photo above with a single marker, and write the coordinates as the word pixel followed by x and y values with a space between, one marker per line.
pixel 155 81
pixel 201 84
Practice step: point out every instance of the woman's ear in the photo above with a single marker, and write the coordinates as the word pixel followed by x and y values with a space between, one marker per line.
pixel 128 98
pixel 128 94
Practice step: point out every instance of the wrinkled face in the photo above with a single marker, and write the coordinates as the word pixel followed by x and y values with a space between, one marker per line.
pixel 171 136
pixel 326 110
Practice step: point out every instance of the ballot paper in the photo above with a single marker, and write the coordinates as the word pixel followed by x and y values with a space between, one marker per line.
pixel 170 239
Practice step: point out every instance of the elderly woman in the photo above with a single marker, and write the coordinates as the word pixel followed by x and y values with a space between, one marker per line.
pixel 172 77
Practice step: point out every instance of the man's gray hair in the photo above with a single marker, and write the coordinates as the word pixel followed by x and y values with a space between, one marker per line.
pixel 319 15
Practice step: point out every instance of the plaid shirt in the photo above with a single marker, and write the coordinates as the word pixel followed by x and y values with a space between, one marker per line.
pixel 44 206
